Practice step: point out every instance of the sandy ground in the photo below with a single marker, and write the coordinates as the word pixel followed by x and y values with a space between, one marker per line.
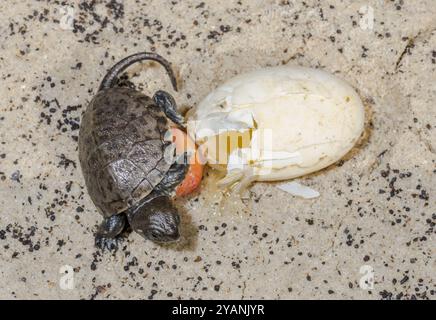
pixel 377 210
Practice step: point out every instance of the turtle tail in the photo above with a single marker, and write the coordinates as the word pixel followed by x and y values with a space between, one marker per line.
pixel 110 78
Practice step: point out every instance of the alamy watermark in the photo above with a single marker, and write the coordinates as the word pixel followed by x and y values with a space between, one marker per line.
pixel 66 20
pixel 366 21
pixel 66 282
pixel 366 282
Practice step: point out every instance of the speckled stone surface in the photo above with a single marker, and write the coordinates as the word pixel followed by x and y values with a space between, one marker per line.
pixel 377 208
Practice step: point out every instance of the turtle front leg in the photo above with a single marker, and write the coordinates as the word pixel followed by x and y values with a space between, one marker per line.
pixel 108 234
pixel 164 100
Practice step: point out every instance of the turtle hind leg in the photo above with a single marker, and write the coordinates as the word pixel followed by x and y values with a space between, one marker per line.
pixel 164 100
pixel 174 176
pixel 108 233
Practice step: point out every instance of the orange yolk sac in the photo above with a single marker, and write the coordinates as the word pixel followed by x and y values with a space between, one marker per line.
pixel 195 172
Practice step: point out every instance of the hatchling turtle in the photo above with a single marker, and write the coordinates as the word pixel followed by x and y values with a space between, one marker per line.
pixel 129 164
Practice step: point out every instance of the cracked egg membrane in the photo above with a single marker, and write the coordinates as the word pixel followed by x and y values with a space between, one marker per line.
pixel 276 123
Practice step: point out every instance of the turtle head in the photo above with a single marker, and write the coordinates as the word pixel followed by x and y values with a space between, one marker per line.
pixel 157 220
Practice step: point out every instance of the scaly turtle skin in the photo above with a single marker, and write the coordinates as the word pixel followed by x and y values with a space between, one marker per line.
pixel 129 166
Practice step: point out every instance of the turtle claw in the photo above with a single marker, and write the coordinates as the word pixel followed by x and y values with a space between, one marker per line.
pixel 110 244
pixel 109 233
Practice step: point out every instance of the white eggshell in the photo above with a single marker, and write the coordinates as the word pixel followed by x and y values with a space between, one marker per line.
pixel 298 190
pixel 311 118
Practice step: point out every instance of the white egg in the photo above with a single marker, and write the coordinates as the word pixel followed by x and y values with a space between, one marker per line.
pixel 277 123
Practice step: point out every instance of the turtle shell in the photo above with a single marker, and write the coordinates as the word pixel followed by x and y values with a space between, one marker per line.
pixel 122 148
